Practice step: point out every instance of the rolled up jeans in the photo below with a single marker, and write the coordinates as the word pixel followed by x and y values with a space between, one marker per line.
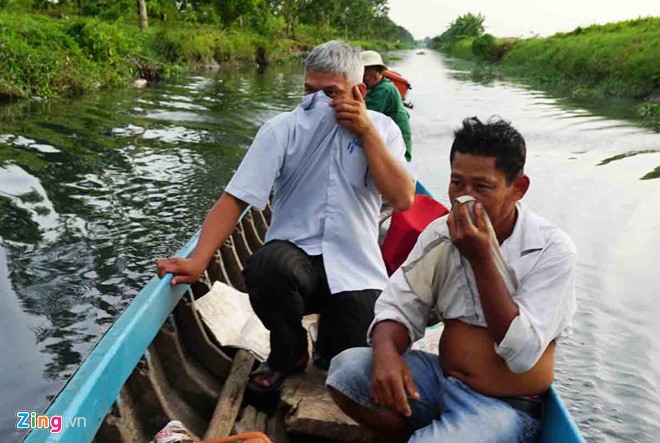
pixel 447 410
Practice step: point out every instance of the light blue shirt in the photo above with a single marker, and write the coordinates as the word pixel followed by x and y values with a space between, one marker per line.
pixel 324 199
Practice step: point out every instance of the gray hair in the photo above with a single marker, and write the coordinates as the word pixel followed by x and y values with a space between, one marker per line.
pixel 338 57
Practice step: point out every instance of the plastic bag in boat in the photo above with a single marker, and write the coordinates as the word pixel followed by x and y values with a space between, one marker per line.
pixel 175 432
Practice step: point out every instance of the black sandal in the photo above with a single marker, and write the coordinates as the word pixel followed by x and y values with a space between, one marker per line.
pixel 272 377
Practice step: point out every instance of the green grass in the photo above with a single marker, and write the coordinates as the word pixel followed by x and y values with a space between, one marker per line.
pixel 626 155
pixel 47 57
pixel 617 61
pixel 653 174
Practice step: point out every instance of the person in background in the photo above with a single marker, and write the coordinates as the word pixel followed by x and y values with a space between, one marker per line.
pixel 503 310
pixel 383 97
pixel 329 164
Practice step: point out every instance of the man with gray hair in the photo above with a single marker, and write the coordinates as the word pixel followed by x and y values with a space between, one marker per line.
pixel 329 164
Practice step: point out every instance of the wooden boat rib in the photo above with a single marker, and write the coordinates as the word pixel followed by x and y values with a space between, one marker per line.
pixel 159 363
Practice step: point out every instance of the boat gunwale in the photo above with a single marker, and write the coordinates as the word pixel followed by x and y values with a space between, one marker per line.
pixel 91 391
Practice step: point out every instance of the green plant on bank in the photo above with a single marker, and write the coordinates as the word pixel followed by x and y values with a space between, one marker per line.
pixel 653 174
pixel 67 47
pixel 616 61
pixel 465 26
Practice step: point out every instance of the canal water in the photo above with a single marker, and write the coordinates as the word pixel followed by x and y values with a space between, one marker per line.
pixel 92 190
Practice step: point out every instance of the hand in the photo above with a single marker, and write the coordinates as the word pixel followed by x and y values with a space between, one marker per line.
pixel 390 380
pixel 471 239
pixel 352 113
pixel 185 270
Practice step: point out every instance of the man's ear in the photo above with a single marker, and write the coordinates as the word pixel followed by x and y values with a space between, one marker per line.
pixel 363 89
pixel 520 186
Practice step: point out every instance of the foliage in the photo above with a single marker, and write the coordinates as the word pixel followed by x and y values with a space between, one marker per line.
pixel 613 61
pixel 619 59
pixel 39 57
pixel 358 19
pixel 653 174
pixel 484 47
pixel 464 26
pixel 650 113
pixel 50 48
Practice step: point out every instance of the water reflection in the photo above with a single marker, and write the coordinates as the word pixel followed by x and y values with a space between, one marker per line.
pixel 486 74
pixel 92 191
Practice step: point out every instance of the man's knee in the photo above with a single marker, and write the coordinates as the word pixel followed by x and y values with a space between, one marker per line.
pixel 279 264
pixel 350 375
pixel 390 425
pixel 350 364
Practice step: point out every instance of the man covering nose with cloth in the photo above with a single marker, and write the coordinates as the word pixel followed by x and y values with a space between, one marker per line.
pixel 329 164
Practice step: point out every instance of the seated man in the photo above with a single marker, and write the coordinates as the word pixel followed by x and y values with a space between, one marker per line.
pixel 327 162
pixel 496 350
pixel 383 97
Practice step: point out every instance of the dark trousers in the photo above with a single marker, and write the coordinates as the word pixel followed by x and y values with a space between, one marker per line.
pixel 284 283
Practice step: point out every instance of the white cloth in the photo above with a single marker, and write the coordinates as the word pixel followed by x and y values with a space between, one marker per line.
pixel 541 259
pixel 324 199
pixel 228 314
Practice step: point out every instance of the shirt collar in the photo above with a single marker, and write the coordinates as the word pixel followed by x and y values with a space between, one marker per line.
pixel 526 235
pixel 310 101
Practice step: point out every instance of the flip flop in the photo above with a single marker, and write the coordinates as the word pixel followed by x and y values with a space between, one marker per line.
pixel 274 378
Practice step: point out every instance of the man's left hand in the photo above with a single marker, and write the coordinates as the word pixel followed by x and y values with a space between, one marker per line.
pixel 352 113
pixel 471 239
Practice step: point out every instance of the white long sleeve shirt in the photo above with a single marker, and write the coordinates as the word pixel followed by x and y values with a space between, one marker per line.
pixel 540 257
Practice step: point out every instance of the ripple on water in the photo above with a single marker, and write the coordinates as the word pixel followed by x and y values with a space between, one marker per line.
pixel 136 171
pixel 28 196
pixel 175 134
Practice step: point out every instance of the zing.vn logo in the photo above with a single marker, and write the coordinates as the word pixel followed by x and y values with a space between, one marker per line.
pixel 30 420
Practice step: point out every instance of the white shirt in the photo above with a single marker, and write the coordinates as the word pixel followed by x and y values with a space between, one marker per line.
pixel 541 259
pixel 324 199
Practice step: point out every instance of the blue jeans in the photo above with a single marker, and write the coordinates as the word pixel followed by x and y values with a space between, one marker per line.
pixel 447 411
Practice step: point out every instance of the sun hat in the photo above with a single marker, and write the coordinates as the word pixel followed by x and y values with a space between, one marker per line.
pixel 372 58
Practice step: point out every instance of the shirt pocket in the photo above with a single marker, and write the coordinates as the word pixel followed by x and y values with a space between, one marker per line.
pixel 523 265
pixel 354 166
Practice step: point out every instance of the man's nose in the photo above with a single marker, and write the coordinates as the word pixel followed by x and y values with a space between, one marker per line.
pixel 467 190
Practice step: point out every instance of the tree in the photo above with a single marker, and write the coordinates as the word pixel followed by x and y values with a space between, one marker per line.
pixel 142 14
pixel 233 10
pixel 287 9
pixel 468 25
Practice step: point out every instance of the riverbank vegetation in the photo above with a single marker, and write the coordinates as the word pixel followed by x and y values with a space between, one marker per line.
pixel 68 47
pixel 617 61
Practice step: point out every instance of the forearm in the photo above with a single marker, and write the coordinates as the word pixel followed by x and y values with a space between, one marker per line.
pixel 390 335
pixel 498 306
pixel 217 227
pixel 391 177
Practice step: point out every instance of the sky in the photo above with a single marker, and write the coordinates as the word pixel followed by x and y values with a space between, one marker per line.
pixel 517 18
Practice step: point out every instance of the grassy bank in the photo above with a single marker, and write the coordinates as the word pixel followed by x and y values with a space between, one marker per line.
pixel 617 61
pixel 41 56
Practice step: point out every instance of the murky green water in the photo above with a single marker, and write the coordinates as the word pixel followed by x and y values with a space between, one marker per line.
pixel 92 190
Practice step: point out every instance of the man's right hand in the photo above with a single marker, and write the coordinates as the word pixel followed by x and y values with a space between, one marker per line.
pixel 391 379
pixel 185 270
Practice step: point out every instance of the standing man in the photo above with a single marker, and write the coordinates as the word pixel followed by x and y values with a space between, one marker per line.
pixel 327 163
pixel 383 97
pixel 503 309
